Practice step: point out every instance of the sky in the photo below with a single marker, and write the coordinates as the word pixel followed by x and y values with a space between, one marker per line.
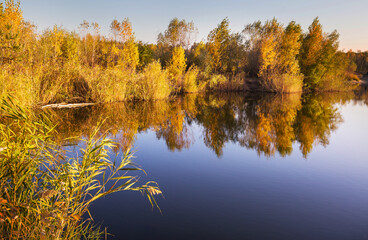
pixel 150 17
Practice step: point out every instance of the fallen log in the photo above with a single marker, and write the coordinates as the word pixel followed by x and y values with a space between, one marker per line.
pixel 70 105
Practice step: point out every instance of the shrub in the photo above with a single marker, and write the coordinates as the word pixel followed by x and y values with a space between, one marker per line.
pixel 110 84
pixel 151 84
pixel 216 81
pixel 190 80
pixel 283 83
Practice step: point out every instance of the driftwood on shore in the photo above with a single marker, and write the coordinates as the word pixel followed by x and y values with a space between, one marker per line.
pixel 71 105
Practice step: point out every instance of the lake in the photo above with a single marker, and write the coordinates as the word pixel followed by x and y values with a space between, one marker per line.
pixel 237 166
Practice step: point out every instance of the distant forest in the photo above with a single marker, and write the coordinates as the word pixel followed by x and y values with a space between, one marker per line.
pixel 63 66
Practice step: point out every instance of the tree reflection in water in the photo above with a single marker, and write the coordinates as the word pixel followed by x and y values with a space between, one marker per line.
pixel 267 123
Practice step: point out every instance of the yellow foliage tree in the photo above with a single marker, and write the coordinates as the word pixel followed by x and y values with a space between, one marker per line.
pixel 268 56
pixel 218 41
pixel 129 55
pixel 279 69
pixel 115 28
pixel 124 53
pixel 129 52
pixel 11 21
pixel 177 65
pixel 126 31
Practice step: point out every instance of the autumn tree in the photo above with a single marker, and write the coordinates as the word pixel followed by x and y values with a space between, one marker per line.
pixel 83 30
pixel 177 65
pixel 126 31
pixel 286 71
pixel 124 52
pixel 130 53
pixel 318 56
pixel 218 41
pixel 90 33
pixel 361 60
pixel 236 52
pixel 179 32
pixel 28 44
pixel 70 48
pixel 51 41
pixel 276 48
pixel 115 28
pixel 11 23
pixel 199 56
pixel 253 34
pixel 95 38
pixel 59 46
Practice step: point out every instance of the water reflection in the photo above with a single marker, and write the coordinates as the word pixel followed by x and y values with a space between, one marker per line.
pixel 269 124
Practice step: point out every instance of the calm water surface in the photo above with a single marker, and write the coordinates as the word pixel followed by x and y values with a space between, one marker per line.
pixel 239 166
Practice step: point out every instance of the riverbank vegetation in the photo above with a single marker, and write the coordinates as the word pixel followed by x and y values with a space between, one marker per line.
pixel 46 190
pixel 62 66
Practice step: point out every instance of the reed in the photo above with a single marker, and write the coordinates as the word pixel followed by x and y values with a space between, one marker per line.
pixel 45 191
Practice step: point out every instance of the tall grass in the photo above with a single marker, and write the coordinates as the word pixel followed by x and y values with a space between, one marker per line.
pixel 20 84
pixel 65 83
pixel 45 193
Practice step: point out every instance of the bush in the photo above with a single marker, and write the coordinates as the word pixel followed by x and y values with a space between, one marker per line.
pixel 283 83
pixel 190 84
pixel 216 81
pixel 152 84
pixel 110 84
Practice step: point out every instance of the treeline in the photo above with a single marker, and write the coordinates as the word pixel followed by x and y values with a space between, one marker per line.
pixel 359 61
pixel 63 66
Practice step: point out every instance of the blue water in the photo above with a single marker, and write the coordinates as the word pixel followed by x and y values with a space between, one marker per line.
pixel 245 194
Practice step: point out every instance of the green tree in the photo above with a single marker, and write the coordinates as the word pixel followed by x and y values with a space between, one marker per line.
pixel 318 56
pixel 146 54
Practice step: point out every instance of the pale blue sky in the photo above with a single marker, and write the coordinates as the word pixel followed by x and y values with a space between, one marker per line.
pixel 150 17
